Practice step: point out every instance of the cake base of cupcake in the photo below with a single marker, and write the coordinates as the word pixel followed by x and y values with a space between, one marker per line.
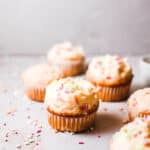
pixel 115 93
pixel 70 68
pixel 36 94
pixel 71 124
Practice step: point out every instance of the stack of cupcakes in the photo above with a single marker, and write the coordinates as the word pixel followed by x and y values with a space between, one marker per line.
pixel 72 103
pixel 64 60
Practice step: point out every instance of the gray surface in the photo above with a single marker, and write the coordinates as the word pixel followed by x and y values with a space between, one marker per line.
pixel 102 26
pixel 11 95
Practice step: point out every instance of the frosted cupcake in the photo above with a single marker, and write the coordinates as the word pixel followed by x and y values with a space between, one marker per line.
pixel 71 104
pixel 139 103
pixel 36 78
pixel 70 58
pixel 133 136
pixel 113 76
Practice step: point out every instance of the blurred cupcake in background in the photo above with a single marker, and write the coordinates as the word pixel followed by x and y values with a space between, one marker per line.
pixel 139 104
pixel 71 104
pixel 113 76
pixel 70 58
pixel 37 77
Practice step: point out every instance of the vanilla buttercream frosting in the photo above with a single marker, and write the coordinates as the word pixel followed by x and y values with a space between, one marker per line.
pixel 71 97
pixel 139 102
pixel 66 51
pixel 133 136
pixel 109 70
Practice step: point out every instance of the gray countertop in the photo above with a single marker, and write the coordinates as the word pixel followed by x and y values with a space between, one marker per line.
pixel 23 123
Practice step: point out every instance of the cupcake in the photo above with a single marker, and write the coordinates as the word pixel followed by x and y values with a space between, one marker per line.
pixel 113 76
pixel 133 136
pixel 71 104
pixel 36 78
pixel 139 103
pixel 71 59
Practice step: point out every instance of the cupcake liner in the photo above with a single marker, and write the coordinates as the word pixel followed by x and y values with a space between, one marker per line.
pixel 140 114
pixel 71 124
pixel 36 93
pixel 116 93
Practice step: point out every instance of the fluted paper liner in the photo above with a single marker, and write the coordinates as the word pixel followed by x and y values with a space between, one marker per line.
pixel 36 93
pixel 116 93
pixel 71 124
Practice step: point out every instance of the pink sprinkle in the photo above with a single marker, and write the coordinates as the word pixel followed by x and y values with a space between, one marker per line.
pixel 108 78
pixel 16 132
pixel 37 144
pixel 81 142
pixel 61 87
pixel 67 92
pixel 38 131
pixel 86 107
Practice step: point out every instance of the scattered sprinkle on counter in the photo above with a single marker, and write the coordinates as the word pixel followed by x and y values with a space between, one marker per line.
pixel 81 142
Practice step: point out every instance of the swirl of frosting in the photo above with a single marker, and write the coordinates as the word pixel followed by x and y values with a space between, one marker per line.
pixel 70 96
pixel 109 70
pixel 66 51
pixel 133 136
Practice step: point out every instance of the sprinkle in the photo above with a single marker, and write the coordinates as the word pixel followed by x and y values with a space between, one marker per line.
pixel 66 91
pixel 38 131
pixel 108 77
pixel 4 124
pixel 26 143
pixel 31 141
pixel 85 106
pixel 6 140
pixel 81 142
pixel 37 144
pixel 72 88
pixel 11 111
pixel 16 132
pixel 61 86
pixel 98 136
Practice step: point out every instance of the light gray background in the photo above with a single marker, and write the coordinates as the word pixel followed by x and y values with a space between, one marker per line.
pixel 101 26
